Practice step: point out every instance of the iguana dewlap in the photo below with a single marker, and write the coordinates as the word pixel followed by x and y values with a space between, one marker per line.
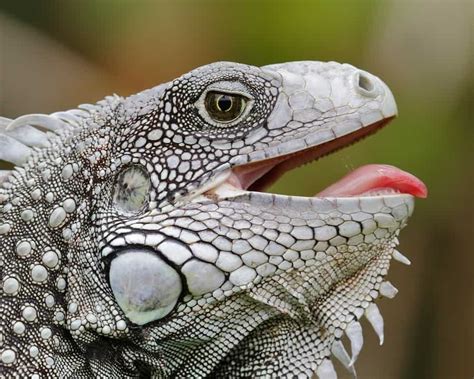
pixel 136 239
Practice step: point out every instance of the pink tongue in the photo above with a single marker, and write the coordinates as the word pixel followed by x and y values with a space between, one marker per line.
pixel 373 177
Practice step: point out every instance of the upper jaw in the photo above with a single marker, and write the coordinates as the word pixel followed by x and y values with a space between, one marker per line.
pixel 361 105
pixel 323 104
pixel 321 107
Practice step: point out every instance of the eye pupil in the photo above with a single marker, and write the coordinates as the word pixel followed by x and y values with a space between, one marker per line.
pixel 224 103
pixel 224 107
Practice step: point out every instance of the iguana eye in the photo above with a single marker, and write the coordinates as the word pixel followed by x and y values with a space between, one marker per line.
pixel 131 189
pixel 224 107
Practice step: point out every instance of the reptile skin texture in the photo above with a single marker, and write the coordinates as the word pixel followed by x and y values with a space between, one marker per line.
pixel 128 248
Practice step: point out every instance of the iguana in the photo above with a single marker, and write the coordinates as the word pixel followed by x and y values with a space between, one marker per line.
pixel 136 239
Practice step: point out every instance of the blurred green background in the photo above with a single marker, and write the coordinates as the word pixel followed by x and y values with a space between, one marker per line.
pixel 57 54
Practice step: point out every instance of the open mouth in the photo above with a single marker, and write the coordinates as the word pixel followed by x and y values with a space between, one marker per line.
pixel 368 180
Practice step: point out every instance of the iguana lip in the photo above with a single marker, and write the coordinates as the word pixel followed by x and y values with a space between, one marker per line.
pixel 369 180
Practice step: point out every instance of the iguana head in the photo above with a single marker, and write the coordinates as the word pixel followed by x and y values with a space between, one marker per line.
pixel 169 257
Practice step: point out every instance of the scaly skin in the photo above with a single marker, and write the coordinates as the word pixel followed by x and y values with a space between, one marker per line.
pixel 202 278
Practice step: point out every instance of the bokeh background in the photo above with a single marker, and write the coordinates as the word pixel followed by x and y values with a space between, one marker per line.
pixel 57 54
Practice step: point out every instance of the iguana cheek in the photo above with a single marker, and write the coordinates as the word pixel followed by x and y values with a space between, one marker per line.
pixel 144 285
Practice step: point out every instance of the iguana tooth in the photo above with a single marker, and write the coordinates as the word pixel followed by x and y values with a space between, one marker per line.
pixel 342 355
pixel 372 313
pixel 400 258
pixel 326 370
pixel 354 333
pixel 388 290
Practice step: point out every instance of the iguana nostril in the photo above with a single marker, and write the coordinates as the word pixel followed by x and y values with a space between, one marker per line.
pixel 365 84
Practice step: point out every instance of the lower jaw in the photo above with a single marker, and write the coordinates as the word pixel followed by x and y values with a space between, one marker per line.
pixel 389 211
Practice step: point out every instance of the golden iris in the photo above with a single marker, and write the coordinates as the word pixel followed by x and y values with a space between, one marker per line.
pixel 224 107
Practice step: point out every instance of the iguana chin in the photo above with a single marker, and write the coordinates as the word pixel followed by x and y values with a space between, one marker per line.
pixel 136 238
